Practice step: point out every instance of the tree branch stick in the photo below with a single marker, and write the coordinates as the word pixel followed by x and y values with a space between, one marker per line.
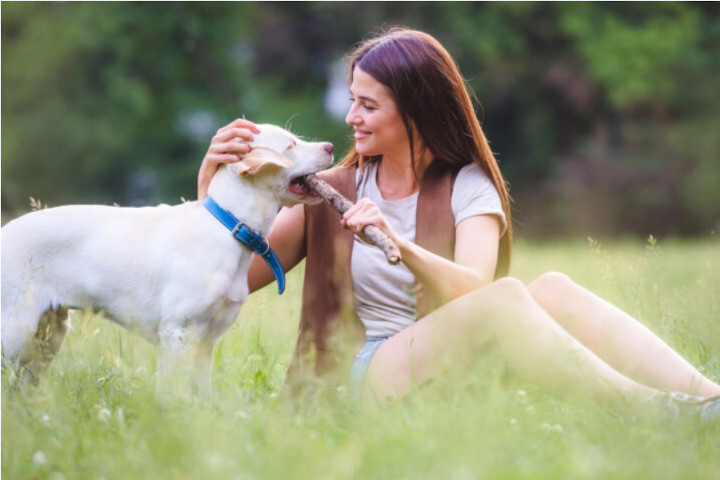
pixel 342 205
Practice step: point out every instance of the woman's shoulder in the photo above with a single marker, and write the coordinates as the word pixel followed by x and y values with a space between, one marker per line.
pixel 475 194
pixel 472 176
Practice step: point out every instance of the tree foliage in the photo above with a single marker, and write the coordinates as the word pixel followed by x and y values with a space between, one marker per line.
pixel 116 102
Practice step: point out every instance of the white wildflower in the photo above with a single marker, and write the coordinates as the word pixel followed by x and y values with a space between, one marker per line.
pixel 242 415
pixel 546 427
pixel 39 459
pixel 103 414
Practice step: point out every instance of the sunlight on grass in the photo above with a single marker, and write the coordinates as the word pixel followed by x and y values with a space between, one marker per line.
pixel 95 414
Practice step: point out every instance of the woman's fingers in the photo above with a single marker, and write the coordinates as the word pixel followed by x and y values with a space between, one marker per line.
pixel 231 147
pixel 364 213
pixel 220 153
pixel 240 124
pixel 227 134
pixel 227 146
pixel 243 123
pixel 239 131
pixel 231 142
pixel 353 217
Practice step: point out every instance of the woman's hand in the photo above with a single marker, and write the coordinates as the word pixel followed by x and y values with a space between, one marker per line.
pixel 476 244
pixel 228 145
pixel 365 212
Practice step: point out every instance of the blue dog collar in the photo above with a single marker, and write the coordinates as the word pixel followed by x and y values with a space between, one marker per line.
pixel 254 241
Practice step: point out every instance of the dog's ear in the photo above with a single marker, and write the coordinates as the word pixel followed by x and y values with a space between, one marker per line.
pixel 259 158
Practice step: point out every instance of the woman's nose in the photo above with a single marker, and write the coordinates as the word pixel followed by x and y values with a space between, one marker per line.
pixel 352 117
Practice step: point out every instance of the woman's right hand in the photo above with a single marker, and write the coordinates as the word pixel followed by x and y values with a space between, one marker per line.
pixel 228 145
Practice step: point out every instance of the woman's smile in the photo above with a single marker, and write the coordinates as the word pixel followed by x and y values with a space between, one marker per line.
pixel 361 134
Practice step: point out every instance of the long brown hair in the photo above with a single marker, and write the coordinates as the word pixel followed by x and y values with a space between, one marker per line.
pixel 432 96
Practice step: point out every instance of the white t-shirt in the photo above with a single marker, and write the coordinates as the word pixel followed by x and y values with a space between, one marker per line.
pixel 384 293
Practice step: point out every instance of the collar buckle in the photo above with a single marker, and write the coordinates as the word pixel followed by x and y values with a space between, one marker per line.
pixel 267 247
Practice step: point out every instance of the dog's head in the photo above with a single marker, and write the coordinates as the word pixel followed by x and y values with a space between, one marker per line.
pixel 279 160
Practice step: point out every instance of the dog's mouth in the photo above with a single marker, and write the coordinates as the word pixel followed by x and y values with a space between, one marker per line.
pixel 299 187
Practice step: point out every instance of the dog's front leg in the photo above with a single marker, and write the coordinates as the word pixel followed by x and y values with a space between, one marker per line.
pixel 202 375
pixel 175 361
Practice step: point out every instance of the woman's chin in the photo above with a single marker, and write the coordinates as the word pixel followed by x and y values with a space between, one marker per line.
pixel 365 152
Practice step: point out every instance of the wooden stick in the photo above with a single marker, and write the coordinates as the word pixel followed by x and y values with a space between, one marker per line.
pixel 342 205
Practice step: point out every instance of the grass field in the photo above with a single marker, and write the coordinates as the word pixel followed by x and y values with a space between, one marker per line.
pixel 95 414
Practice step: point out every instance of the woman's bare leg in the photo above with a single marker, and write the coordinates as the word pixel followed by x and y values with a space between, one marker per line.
pixel 616 337
pixel 533 344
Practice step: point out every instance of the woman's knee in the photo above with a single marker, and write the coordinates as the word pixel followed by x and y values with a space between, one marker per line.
pixel 549 284
pixel 508 289
pixel 511 311
pixel 505 296
pixel 554 291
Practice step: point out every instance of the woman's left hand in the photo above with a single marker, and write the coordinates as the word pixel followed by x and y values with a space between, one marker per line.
pixel 365 212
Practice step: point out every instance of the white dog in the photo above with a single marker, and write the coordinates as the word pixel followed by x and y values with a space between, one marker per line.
pixel 177 275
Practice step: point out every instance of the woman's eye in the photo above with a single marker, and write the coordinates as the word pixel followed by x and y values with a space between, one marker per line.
pixel 363 105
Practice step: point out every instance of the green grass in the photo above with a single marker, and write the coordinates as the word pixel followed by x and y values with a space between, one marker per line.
pixel 95 414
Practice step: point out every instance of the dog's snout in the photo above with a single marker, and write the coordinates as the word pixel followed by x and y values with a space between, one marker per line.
pixel 328 147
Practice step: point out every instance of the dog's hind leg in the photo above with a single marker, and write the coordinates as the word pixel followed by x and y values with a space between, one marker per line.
pixel 40 351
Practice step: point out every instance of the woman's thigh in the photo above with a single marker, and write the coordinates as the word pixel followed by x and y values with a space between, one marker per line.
pixel 532 343
pixel 451 335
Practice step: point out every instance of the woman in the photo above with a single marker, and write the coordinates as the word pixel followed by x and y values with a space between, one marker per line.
pixel 421 170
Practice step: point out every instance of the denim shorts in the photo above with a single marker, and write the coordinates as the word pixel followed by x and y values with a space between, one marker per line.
pixel 359 368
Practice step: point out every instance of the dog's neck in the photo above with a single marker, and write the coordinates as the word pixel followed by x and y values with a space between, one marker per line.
pixel 253 206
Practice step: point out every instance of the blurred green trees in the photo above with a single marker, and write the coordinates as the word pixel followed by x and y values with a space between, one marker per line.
pixel 604 115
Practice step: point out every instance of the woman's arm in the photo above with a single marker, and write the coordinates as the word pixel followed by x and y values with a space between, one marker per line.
pixel 476 251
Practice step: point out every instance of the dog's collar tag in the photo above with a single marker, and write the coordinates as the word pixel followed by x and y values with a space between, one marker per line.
pixel 254 241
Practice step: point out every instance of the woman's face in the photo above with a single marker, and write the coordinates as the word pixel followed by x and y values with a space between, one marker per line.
pixel 378 126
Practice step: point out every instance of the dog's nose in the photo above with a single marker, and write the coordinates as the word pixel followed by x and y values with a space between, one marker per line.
pixel 328 147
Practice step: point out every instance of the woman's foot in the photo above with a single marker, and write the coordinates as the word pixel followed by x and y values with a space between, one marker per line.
pixel 684 405
pixel 710 409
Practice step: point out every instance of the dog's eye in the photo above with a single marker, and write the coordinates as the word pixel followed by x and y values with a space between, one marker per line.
pixel 292 145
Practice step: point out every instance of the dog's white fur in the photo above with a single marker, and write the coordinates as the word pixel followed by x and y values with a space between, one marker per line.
pixel 173 274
